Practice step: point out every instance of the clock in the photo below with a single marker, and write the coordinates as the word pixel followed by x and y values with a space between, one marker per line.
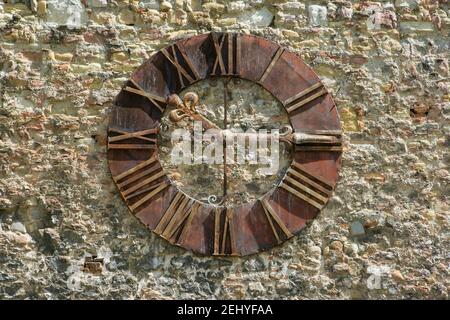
pixel 235 86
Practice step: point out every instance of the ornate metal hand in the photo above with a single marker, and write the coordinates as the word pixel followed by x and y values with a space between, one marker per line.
pixel 186 108
pixel 318 140
pixel 298 138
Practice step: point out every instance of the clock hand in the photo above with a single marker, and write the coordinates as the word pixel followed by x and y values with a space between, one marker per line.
pixel 298 138
pixel 187 108
pixel 302 137
pixel 225 120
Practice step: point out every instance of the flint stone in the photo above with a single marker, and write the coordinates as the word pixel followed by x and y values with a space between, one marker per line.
pixel 317 15
pixel 257 18
pixel 414 26
pixel 149 4
pixel 98 3
pixel 411 4
pixel 357 229
pixel 19 227
pixel 70 13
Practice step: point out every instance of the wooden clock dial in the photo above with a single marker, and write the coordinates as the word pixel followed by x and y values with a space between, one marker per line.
pixel 228 227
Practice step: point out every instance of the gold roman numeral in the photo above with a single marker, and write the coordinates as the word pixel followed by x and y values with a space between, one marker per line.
pixel 299 100
pixel 273 217
pixel 224 232
pixel 154 99
pixel 307 186
pixel 117 141
pixel 176 221
pixel 171 55
pixel 229 65
pixel 139 180
pixel 271 64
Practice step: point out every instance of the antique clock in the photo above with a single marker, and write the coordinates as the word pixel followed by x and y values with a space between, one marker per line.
pixel 222 82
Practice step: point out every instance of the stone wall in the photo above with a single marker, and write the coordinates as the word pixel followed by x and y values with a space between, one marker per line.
pixel 383 235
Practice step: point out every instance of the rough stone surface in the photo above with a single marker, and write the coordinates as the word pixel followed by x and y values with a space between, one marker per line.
pixel 256 18
pixel 19 227
pixel 98 3
pixel 70 13
pixel 357 229
pixel 57 84
pixel 317 15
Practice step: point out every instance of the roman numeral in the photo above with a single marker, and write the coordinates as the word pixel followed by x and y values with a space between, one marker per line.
pixel 318 140
pixel 176 221
pixel 299 100
pixel 231 63
pixel 219 59
pixel 224 232
pixel 154 99
pixel 139 180
pixel 273 217
pixel 117 141
pixel 172 56
pixel 271 64
pixel 305 185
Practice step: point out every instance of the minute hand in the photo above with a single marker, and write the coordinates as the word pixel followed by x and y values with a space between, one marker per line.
pixel 225 122
pixel 319 140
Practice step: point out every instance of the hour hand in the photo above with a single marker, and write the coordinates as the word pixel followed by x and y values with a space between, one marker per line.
pixel 316 140
pixel 186 108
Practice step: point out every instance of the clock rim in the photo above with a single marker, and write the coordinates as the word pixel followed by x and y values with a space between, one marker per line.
pixel 338 162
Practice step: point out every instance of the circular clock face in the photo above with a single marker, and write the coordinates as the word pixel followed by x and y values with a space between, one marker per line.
pixel 249 108
pixel 224 144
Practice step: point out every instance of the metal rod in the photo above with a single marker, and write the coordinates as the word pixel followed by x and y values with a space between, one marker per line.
pixel 225 120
